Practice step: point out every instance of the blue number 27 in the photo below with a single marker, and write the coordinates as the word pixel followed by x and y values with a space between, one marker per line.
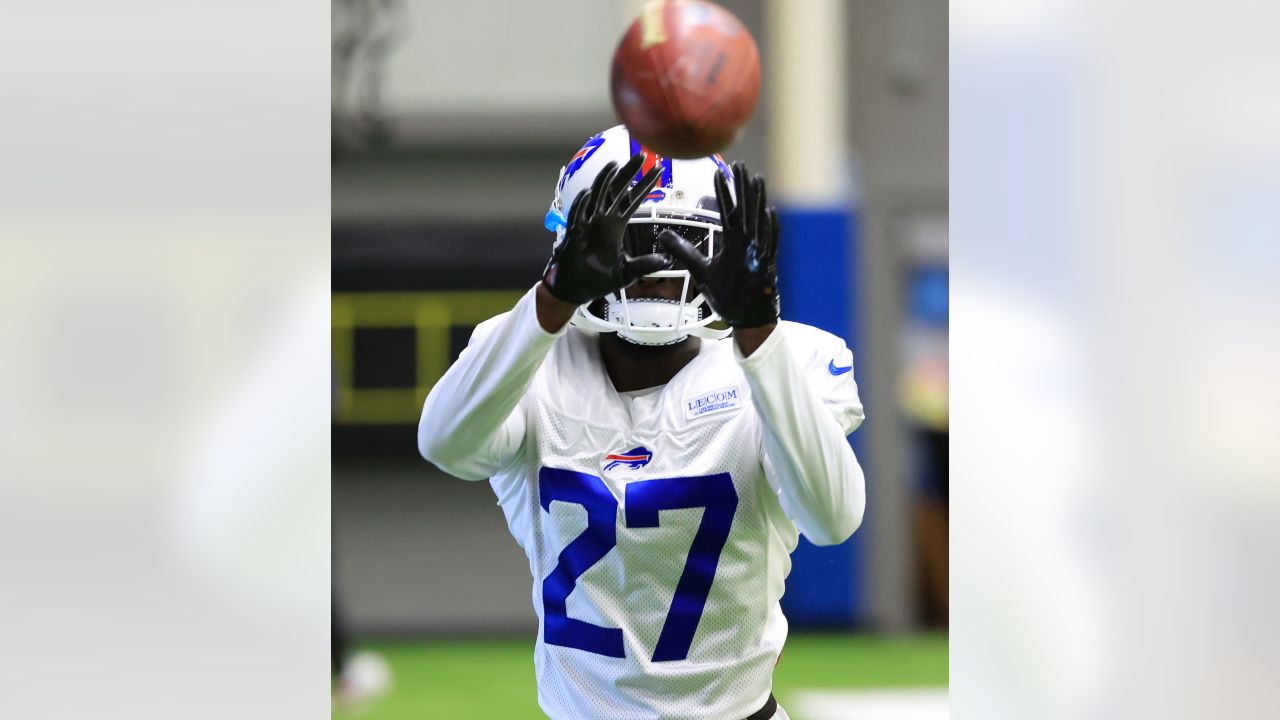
pixel 644 499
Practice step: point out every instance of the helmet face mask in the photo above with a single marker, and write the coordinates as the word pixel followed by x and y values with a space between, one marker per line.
pixel 684 202
pixel 642 237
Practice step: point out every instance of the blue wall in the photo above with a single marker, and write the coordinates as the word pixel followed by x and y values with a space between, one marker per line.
pixel 817 270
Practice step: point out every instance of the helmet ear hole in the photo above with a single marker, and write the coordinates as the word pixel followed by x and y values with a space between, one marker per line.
pixel 599 308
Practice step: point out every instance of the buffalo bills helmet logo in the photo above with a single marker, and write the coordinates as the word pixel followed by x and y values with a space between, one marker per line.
pixel 724 167
pixel 580 158
pixel 635 458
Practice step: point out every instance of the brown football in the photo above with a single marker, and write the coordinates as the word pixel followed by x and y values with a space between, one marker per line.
pixel 686 77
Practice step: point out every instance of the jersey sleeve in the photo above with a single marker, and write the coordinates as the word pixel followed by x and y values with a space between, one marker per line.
pixel 827 366
pixel 802 386
pixel 472 425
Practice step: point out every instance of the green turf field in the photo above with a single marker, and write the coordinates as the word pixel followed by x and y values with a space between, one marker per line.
pixel 489 679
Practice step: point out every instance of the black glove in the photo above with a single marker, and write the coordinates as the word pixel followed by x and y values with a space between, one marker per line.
pixel 590 262
pixel 741 281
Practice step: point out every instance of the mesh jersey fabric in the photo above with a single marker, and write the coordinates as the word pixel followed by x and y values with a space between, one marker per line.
pixel 699 425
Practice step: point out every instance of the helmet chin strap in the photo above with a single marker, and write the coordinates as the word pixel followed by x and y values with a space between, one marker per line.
pixel 651 321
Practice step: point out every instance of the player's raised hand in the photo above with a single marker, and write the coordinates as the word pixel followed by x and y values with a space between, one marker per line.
pixel 590 262
pixel 741 281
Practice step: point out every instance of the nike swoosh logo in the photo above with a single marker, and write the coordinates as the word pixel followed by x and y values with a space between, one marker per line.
pixel 831 367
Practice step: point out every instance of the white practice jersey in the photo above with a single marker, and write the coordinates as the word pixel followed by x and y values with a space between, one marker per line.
pixel 658 524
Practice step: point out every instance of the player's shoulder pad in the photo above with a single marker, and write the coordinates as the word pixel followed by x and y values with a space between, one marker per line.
pixel 828 366
pixel 484 329
pixel 817 348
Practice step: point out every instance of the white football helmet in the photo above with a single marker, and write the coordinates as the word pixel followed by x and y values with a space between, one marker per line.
pixel 684 200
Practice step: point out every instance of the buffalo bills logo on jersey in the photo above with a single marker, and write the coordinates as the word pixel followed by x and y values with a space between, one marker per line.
pixel 635 458
pixel 580 158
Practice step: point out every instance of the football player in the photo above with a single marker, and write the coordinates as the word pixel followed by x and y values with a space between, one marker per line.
pixel 655 468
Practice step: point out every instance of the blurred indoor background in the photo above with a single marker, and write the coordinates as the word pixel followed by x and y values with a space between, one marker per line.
pixel 450 124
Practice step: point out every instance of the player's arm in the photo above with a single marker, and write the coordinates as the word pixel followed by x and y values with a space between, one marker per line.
pixel 807 414
pixel 818 478
pixel 471 425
